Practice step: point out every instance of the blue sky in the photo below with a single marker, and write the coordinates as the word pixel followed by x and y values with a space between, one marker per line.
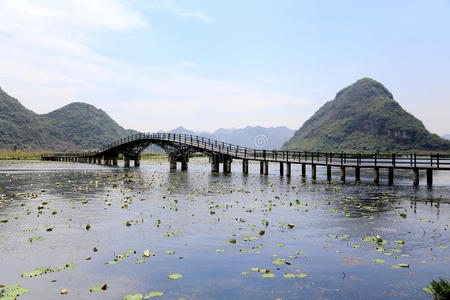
pixel 208 64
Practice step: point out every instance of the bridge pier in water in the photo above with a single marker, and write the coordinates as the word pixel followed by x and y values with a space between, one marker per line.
pixel 376 175
pixel 245 166
pixel 214 158
pixel 303 170
pixel 328 173
pixel 357 174
pixel 261 167
pixel 313 172
pixel 172 165
pixel 391 176
pixel 416 177
pixel 137 161
pixel 429 178
pixel 227 164
pixel 281 169
pixel 342 174
pixel 126 161
pixel 288 169
pixel 266 167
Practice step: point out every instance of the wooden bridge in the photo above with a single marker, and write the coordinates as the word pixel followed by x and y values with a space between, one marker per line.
pixel 180 146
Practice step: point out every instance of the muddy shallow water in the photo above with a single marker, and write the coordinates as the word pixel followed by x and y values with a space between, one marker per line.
pixel 228 236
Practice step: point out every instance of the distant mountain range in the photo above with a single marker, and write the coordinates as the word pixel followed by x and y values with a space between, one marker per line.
pixel 257 137
pixel 446 136
pixel 364 117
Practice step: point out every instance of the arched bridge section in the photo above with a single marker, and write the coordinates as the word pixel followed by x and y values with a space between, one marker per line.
pixel 180 146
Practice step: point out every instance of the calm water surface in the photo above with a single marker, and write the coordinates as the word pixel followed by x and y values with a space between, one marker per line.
pixel 308 235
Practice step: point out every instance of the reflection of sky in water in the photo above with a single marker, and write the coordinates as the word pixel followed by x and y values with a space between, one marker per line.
pixel 204 212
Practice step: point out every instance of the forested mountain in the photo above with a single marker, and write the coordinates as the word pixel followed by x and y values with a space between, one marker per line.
pixel 365 117
pixel 77 126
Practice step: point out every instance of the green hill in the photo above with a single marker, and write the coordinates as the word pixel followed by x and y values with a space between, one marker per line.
pixel 77 126
pixel 364 117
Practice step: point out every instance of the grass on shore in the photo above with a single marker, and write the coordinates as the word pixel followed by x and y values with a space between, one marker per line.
pixel 18 154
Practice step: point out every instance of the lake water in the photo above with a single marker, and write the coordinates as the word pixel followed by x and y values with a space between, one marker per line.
pixel 229 236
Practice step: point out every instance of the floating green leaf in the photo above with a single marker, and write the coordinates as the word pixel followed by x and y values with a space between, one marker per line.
pixel 175 276
pixel 133 297
pixel 153 294
pixel 98 288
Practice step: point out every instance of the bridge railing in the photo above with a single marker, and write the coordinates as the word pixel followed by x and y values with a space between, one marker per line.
pixel 206 144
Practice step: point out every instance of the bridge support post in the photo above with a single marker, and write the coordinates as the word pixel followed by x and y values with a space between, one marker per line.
pixel 376 175
pixel 329 173
pixel 245 166
pixel 429 178
pixel 184 165
pixel 172 164
pixel 416 177
pixel 391 176
pixel 214 163
pixel 342 174
pixel 99 160
pixel 261 167
pixel 90 160
pixel 115 160
pixel 303 170
pixel 137 161
pixel 357 174
pixel 281 169
pixel 126 161
pixel 313 172
pixel 227 165
pixel 288 169
pixel 266 167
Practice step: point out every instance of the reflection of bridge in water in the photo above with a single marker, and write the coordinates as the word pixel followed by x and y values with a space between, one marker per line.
pixel 180 146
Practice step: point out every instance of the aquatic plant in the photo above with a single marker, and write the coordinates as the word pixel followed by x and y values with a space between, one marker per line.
pixel 439 289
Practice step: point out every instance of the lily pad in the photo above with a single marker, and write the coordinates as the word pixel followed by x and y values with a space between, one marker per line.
pixel 175 276
pixel 378 260
pixel 133 297
pixel 153 294
pixel 12 291
pixel 98 288
pixel 268 275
